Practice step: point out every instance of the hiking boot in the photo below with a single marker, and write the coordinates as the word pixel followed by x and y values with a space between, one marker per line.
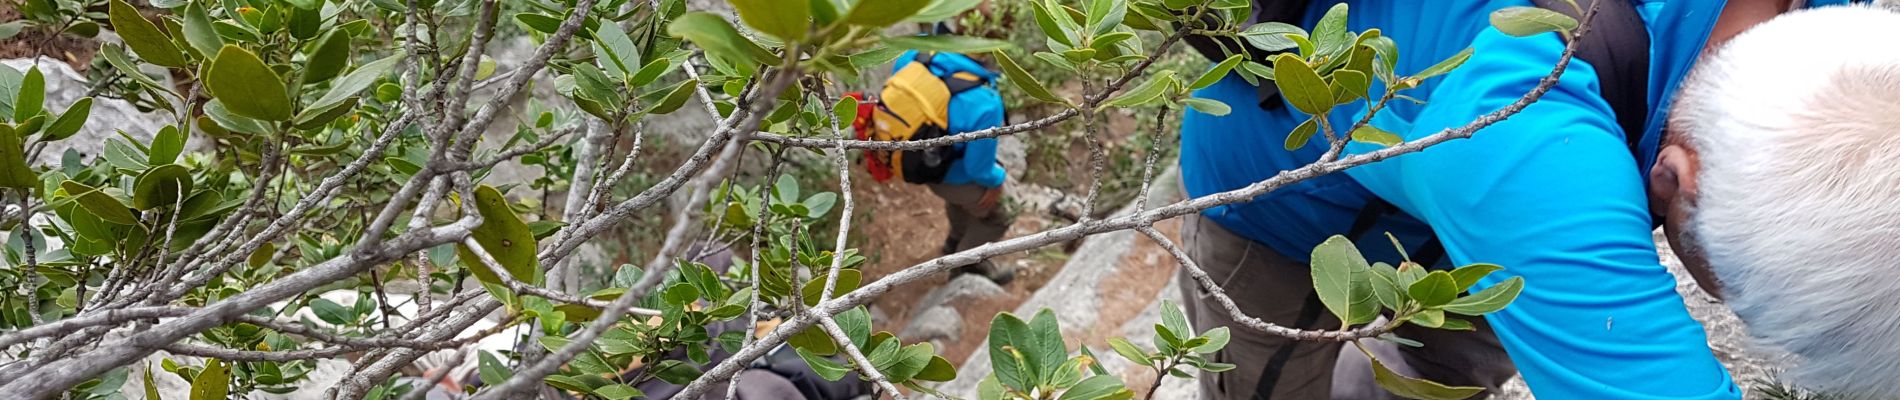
pixel 991 271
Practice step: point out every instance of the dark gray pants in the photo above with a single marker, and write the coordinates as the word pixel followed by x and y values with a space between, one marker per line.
pixel 971 224
pixel 1269 286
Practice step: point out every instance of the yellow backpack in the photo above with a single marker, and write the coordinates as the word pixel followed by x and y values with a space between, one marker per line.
pixel 915 105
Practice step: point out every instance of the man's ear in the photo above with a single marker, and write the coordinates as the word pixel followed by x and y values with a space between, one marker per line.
pixel 1673 177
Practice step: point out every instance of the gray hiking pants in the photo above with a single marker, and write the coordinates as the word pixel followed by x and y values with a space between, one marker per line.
pixel 971 224
pixel 1278 290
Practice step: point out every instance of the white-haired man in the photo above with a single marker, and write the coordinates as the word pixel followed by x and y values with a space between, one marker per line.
pixel 1774 181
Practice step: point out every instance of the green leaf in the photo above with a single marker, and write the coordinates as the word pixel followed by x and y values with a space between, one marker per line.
pixel 785 19
pixel 10 80
pixel 1146 93
pixel 161 186
pixel 1099 387
pixel 1207 106
pixel 1468 275
pixel 883 13
pixel 331 312
pixel 1105 15
pixel 1436 289
pixel 14 173
pixel 844 113
pixel 1301 86
pixel 1372 134
pixel 1415 388
pixel 504 236
pixel 675 98
pixel 98 203
pixel 676 372
pixel 200 33
pixel 617 391
pixel 329 59
pixel 315 117
pixel 1217 338
pixel 1526 21
pixel 238 74
pixel 356 81
pixel 214 382
pixel 940 10
pixel 622 56
pixel 1431 318
pixel 1128 350
pixel 1271 36
pixel 1008 337
pixel 166 146
pixel 1051 25
pixel 1385 285
pixel 1174 319
pixel 848 280
pixel 1445 66
pixel 651 71
pixel 143 37
pixel 1343 281
pixel 1349 85
pixel 32 96
pixel 948 43
pixel 830 370
pixel 1220 70
pixel 938 370
pixel 1330 34
pixel 69 122
pixel 1302 134
pixel 1488 300
pixel 151 386
pixel 718 37
pixel 1024 81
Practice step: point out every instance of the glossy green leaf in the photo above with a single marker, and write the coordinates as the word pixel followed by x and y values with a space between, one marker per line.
pixel 1343 281
pixel 239 74
pixel 1445 66
pixel 622 55
pixel 1415 388
pixel 1431 318
pixel 212 383
pixel 1303 134
pixel 787 20
pixel 199 32
pixel 1176 320
pixel 618 391
pixel 32 96
pixel 830 370
pixel 1217 338
pixel 1148 92
pixel 948 43
pixel 938 370
pixel 354 82
pixel 227 120
pixel 675 98
pixel 1008 338
pixel 98 203
pixel 1435 289
pixel 1349 85
pixel 151 385
pixel 9 89
pixel 314 117
pixel 1219 71
pixel 1105 15
pixel 1330 34
pixel 1047 20
pixel 1024 81
pixel 1099 387
pixel 651 71
pixel 940 10
pixel 1372 134
pixel 1526 21
pixel 505 238
pixel 882 13
pixel 1271 36
pixel 1207 106
pixel 1301 86
pixel 166 145
pixel 1468 275
pixel 848 280
pixel 160 186
pixel 329 59
pixel 1488 300
pixel 717 36
pixel 843 113
pixel 144 37
pixel 69 122
pixel 331 312
pixel 14 172
pixel 1385 285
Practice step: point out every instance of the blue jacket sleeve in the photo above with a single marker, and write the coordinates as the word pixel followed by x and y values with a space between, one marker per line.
pixel 1553 195
pixel 979 156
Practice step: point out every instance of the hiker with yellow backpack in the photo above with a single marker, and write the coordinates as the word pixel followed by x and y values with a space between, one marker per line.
pixel 931 95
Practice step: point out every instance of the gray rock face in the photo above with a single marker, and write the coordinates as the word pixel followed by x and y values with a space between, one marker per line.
pixel 964 286
pixel 65 86
pixel 936 323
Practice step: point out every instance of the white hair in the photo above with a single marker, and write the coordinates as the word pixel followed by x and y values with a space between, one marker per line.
pixel 1796 123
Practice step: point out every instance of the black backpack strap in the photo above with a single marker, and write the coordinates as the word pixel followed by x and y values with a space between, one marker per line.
pixel 1618 47
pixel 955 83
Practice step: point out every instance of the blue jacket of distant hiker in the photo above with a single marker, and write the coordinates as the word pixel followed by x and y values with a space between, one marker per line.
pixel 1553 194
pixel 971 110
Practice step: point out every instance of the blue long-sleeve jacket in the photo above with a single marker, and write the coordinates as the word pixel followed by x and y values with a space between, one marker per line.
pixel 1554 193
pixel 972 110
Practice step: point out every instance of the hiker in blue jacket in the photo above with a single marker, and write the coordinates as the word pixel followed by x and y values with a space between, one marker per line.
pixel 1566 194
pixel 972 189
